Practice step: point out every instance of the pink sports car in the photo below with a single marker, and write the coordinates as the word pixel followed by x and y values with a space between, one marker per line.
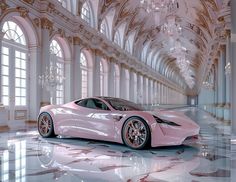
pixel 116 120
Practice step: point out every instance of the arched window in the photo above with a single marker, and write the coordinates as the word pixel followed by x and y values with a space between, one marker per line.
pixel 58 61
pixel 86 13
pixel 14 69
pixel 14 33
pixel 102 84
pixel 128 47
pixel 104 28
pixel 84 75
pixel 117 38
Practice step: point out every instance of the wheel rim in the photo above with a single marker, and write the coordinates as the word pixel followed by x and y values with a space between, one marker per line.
pixel 45 124
pixel 135 133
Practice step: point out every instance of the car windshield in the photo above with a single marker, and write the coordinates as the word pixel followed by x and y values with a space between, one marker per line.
pixel 123 105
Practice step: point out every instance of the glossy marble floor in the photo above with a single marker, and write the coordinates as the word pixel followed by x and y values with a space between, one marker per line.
pixel 25 156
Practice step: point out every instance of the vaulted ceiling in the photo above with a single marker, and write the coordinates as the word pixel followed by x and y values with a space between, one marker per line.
pixel 204 27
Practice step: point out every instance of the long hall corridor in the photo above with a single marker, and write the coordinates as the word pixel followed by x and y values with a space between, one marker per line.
pixel 25 156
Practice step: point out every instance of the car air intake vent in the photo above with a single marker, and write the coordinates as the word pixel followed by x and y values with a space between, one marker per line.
pixel 162 121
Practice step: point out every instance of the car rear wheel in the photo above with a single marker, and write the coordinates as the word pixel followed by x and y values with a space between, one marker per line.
pixel 135 133
pixel 45 125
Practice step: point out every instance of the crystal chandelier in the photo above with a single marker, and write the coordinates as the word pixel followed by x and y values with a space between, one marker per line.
pixel 208 85
pixel 178 52
pixel 51 77
pixel 156 5
pixel 171 27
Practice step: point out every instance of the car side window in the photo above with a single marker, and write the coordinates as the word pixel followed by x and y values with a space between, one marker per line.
pixel 82 102
pixel 100 105
pixel 92 104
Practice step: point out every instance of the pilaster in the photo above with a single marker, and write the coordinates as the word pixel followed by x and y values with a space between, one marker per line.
pixel 96 73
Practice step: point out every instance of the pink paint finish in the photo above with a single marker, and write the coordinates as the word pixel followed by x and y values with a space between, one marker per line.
pixel 74 120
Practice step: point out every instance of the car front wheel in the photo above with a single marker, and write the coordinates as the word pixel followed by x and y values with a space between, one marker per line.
pixel 135 133
pixel 45 125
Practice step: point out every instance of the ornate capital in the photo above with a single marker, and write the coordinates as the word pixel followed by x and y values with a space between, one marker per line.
pixel 23 11
pixel 228 32
pixel 222 47
pixel 3 5
pixel 46 24
pixel 77 41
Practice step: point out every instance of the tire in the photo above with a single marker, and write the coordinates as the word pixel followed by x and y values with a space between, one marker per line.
pixel 136 133
pixel 45 125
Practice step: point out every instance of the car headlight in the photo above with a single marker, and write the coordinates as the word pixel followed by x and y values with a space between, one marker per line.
pixel 162 121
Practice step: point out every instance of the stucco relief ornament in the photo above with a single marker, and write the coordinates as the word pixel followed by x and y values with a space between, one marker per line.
pixel 51 77
pixel 3 5
pixel 23 11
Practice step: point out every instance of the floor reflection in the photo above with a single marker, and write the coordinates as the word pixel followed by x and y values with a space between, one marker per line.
pixel 25 156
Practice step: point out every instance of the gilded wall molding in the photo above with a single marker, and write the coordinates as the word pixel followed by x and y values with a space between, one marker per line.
pixel 46 23
pixel 76 41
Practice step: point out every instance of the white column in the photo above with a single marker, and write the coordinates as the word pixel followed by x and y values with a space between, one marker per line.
pixel 140 89
pixel 45 56
pixel 145 90
pixel 127 84
pixel 96 74
pixel 233 66
pixel 35 88
pixel 228 85
pixel 123 88
pixel 135 87
pixel 155 92
pixel 111 79
pixel 131 86
pixel 221 83
pixel 158 93
pixel 77 70
pixel 68 81
pixel 149 91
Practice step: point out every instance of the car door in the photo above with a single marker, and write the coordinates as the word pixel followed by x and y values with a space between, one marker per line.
pixel 94 120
